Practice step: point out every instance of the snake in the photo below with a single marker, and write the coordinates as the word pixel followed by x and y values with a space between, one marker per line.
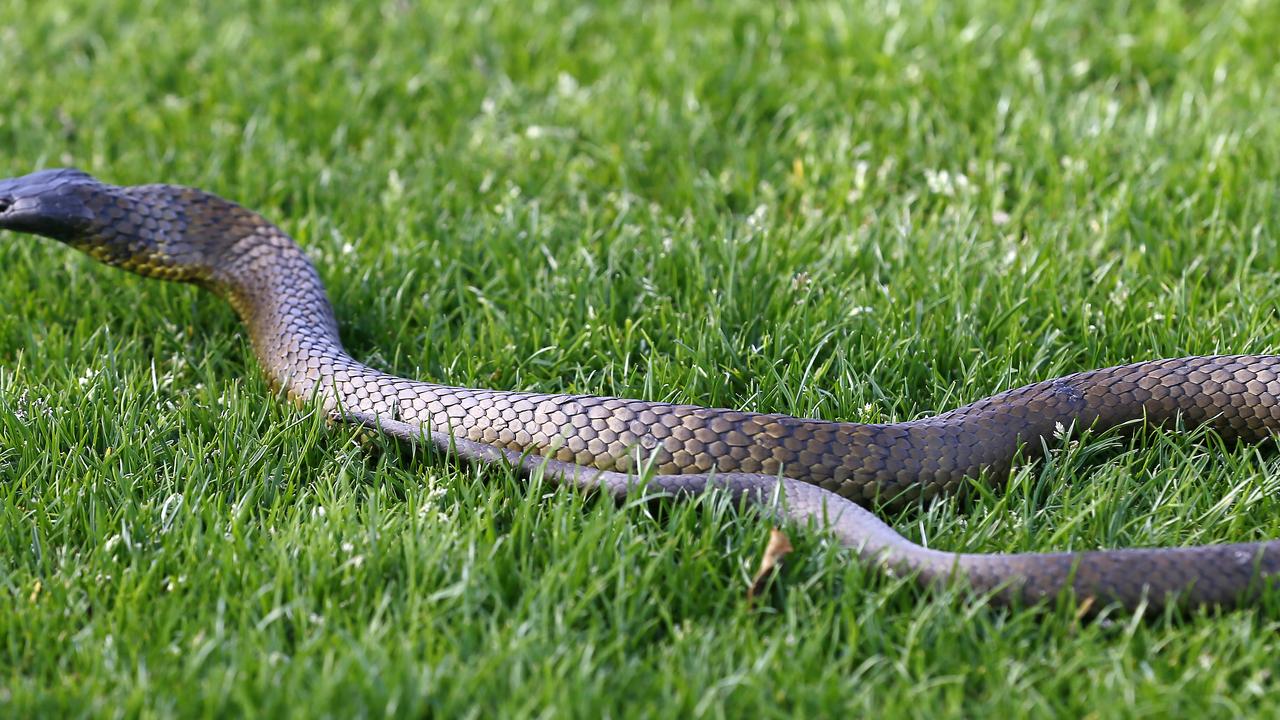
pixel 828 474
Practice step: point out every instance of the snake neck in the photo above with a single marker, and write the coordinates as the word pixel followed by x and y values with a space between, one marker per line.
pixel 280 298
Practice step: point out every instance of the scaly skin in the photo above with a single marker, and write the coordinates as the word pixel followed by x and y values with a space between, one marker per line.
pixel 814 467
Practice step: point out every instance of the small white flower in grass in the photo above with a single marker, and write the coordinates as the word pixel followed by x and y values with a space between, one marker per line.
pixel 566 84
pixel 886 168
pixel 1029 63
pixel 395 186
pixel 347 547
pixel 28 407
pixel 860 169
pixel 1000 217
pixel 939 182
pixel 436 492
pixel 945 183
pixel 1073 166
pixel 1010 258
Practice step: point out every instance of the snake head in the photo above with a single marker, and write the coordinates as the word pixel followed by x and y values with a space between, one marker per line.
pixel 49 203
pixel 143 229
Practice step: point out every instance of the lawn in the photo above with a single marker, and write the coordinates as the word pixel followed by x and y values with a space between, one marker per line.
pixel 816 208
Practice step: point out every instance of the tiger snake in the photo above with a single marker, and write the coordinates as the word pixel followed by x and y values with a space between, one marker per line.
pixel 803 470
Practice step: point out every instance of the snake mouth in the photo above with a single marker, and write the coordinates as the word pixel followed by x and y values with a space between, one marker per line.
pixel 5 204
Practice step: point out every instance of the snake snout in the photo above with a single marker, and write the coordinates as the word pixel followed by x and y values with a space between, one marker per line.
pixel 44 203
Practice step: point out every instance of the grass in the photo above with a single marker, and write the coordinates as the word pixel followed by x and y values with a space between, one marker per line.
pixel 857 213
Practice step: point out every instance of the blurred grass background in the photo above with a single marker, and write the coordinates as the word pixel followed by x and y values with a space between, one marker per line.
pixel 866 213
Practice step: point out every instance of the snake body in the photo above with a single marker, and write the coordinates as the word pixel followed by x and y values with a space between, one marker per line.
pixel 799 469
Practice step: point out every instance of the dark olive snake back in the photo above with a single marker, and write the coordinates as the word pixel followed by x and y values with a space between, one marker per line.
pixel 816 467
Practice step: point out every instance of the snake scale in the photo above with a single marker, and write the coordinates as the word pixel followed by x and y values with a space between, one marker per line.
pixel 798 469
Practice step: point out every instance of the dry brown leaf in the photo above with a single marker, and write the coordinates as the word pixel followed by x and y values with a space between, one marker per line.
pixel 779 546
